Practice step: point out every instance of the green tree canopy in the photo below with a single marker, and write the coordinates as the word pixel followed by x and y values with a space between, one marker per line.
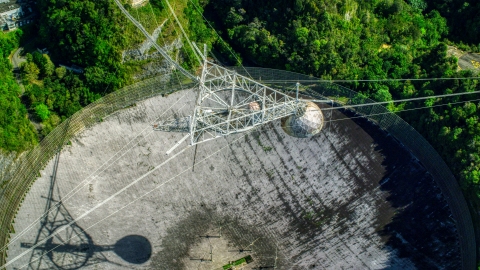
pixel 16 131
pixel 42 111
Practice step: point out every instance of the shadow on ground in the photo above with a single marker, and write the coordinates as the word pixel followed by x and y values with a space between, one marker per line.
pixel 62 244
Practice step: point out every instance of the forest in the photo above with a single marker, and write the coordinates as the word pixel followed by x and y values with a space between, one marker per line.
pixel 16 131
pixel 329 39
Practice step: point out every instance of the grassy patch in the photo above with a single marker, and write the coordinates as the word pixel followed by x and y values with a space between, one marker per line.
pixel 245 260
pixel 239 262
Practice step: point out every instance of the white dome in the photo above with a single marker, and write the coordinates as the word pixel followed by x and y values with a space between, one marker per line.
pixel 305 123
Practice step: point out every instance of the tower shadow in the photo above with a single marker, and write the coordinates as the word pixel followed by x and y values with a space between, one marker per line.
pixel 62 244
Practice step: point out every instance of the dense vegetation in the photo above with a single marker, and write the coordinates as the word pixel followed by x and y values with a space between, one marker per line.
pixel 81 33
pixel 52 94
pixel 16 131
pixel 86 33
pixel 463 19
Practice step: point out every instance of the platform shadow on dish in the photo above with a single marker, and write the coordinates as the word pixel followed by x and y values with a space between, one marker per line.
pixel 134 249
pixel 61 243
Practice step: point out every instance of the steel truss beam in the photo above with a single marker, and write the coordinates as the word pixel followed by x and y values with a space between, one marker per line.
pixel 229 103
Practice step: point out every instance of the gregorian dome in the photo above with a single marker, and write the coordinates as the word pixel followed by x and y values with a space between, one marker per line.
pixel 305 123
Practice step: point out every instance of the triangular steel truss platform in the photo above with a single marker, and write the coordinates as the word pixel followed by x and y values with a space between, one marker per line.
pixel 229 103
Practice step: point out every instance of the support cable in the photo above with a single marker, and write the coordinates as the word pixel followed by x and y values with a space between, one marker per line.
pixel 161 36
pixel 226 45
pixel 398 100
pixel 183 32
pixel 405 110
pixel 160 50
pixel 388 102
pixel 372 80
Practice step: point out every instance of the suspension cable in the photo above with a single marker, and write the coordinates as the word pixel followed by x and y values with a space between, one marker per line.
pixel 373 80
pixel 404 110
pixel 220 38
pixel 399 100
pixel 161 36
pixel 146 34
pixel 183 32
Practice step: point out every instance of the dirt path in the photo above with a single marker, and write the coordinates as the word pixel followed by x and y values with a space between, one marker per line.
pixel 16 59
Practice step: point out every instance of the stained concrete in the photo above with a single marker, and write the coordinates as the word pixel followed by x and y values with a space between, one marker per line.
pixel 350 197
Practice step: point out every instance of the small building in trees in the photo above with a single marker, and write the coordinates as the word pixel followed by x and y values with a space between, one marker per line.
pixel 136 3
pixel 10 12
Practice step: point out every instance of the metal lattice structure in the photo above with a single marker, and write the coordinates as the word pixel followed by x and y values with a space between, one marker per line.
pixel 230 103
pixel 227 102
pixel 224 103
